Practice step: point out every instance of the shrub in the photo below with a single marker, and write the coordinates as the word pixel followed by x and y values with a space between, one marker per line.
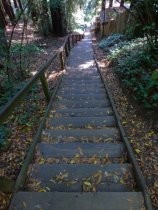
pixel 125 48
pixel 136 73
pixel 111 41
pixel 4 133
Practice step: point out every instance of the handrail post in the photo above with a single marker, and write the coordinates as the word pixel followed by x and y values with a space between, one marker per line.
pixel 61 60
pixel 69 45
pixel 45 87
pixel 73 40
pixel 66 50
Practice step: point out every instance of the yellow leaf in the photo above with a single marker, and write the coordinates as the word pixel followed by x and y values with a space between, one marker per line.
pixel 72 161
pixel 137 151
pixel 48 189
pixel 42 190
pixel 80 150
pixel 24 204
pixel 77 155
pixel 87 184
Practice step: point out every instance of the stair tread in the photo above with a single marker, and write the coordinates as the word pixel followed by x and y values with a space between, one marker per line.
pixel 98 135
pixel 81 122
pixel 83 149
pixel 71 177
pixel 87 96
pixel 77 201
pixel 82 112
pixel 63 103
pixel 82 87
pixel 83 90
pixel 82 81
pixel 84 84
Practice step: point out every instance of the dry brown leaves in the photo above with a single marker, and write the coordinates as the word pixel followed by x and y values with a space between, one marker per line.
pixel 141 128
pixel 79 158
pixel 22 134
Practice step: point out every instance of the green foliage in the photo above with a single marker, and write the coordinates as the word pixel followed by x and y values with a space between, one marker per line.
pixel 155 75
pixel 4 134
pixel 135 69
pixel 26 49
pixel 55 4
pixel 9 90
pixel 144 22
pixel 136 66
pixel 124 48
pixel 90 9
pixel 22 54
pixel 111 41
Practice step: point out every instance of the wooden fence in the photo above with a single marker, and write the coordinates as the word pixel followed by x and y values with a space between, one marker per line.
pixel 115 25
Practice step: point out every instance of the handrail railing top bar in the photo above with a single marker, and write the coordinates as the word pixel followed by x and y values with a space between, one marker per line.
pixel 9 107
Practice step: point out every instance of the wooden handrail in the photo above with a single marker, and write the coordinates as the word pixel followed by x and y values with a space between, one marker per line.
pixel 40 75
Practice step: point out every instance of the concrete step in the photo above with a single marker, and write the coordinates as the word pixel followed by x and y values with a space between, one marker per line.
pixel 88 74
pixel 88 135
pixel 94 103
pixel 83 96
pixel 82 85
pixel 69 150
pixel 79 70
pixel 82 81
pixel 74 177
pixel 82 88
pixel 80 122
pixel 81 91
pixel 77 201
pixel 81 112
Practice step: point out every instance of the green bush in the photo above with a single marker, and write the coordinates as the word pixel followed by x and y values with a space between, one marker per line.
pixel 112 40
pixel 125 48
pixel 4 133
pixel 136 73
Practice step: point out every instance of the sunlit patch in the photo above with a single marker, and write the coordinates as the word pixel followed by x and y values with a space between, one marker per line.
pixel 87 64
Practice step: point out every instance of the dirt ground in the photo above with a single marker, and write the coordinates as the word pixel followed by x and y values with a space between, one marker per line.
pixel 140 125
pixel 23 123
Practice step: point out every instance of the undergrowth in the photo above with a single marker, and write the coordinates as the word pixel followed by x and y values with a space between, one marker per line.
pixel 137 68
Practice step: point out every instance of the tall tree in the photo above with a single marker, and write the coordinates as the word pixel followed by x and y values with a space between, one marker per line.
pixel 133 2
pixel 110 3
pixel 15 4
pixel 20 5
pixel 3 40
pixel 8 9
pixel 33 9
pixel 44 18
pixel 58 17
pixel 122 3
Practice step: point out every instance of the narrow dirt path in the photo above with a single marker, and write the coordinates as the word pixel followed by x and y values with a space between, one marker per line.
pixel 81 161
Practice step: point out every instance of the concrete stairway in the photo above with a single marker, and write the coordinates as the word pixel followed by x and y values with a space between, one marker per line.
pixel 81 161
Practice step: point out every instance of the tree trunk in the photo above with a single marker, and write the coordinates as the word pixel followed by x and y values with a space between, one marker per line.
pixel 3 40
pixel 8 9
pixel 110 3
pixel 2 19
pixel 44 18
pixel 33 7
pixel 15 4
pixel 58 21
pixel 20 5
pixel 103 5
pixel 122 3
pixel 133 2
